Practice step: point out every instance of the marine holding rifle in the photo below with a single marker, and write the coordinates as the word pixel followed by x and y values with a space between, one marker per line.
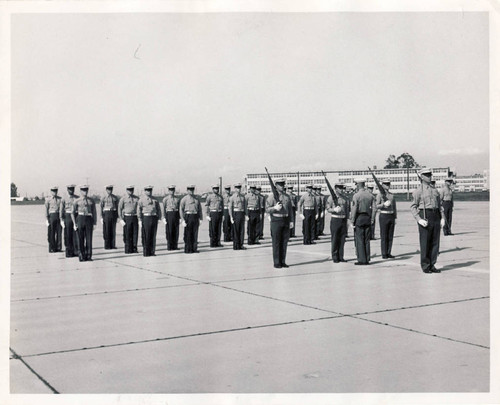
pixel 388 213
pixel 338 207
pixel 427 210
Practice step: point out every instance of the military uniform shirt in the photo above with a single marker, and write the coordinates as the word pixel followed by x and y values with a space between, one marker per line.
pixel 171 203
pixel 67 204
pixel 109 203
pixel 426 197
pixel 237 202
pixel 52 205
pixel 190 204
pixel 226 196
pixel 214 202
pixel 446 194
pixel 344 206
pixel 287 206
pixel 362 203
pixel 307 201
pixel 127 205
pixel 391 208
pixel 148 206
pixel 85 206
pixel 252 201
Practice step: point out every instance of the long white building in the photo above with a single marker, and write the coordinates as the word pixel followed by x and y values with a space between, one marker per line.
pixel 401 180
pixel 475 182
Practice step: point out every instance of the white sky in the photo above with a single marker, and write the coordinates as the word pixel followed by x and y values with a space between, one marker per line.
pixel 185 98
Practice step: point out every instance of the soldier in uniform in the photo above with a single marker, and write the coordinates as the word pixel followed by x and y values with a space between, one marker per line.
pixel 338 223
pixel 53 220
pixel 295 201
pixel 446 195
pixel 324 198
pixel 281 223
pixel 319 204
pixel 427 210
pixel 362 213
pixel 148 214
pixel 263 199
pixel 70 235
pixel 84 216
pixel 215 208
pixel 109 216
pixel 191 215
pixel 253 213
pixel 237 208
pixel 372 236
pixel 227 227
pixel 127 211
pixel 171 218
pixel 308 211
pixel 387 219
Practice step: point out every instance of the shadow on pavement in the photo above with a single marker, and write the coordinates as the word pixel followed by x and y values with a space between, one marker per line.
pixel 310 262
pixel 459 265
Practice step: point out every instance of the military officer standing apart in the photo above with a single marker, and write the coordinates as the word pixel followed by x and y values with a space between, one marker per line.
pixel 215 207
pixel 446 195
pixel 53 220
pixel 308 212
pixel 338 223
pixel 237 208
pixel 127 211
pixel 281 223
pixel 84 217
pixel 70 235
pixel 427 210
pixel 109 216
pixel 227 226
pixel 295 201
pixel 148 214
pixel 362 213
pixel 372 236
pixel 387 219
pixel 191 215
pixel 253 213
pixel 171 218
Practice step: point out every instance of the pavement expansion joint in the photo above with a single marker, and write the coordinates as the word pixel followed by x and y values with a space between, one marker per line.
pixel 43 380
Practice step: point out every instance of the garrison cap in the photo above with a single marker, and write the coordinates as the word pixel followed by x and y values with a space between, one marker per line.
pixel 227 187
pixel 450 179
pixel 70 186
pixel 258 188
pixel 171 187
pixel 281 180
pixel 54 188
pixel 148 187
pixel 130 187
pixel 309 186
pixel 388 182
pixel 371 187
pixel 237 185
pixel 339 185
pixel 252 186
pixel 84 187
pixel 109 186
pixel 359 180
pixel 215 186
pixel 290 187
pixel 191 187
pixel 425 170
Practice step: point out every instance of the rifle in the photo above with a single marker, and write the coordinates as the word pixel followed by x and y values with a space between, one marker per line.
pixel 422 187
pixel 379 186
pixel 330 189
pixel 276 194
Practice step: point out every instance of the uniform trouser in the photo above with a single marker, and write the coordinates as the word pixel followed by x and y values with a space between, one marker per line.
pixel 362 234
pixel 317 224
pixel 227 226
pixel 109 229
pixel 280 233
pixel 54 233
pixel 215 227
pixel 238 229
pixel 429 239
pixel 308 226
pixel 338 230
pixel 387 223
pixel 372 236
pixel 70 236
pixel 191 233
pixel 130 232
pixel 292 231
pixel 448 213
pixel 149 228
pixel 253 226
pixel 85 230
pixel 322 224
pixel 261 225
pixel 172 229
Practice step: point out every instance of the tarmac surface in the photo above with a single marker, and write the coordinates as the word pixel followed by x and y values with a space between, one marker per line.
pixel 225 321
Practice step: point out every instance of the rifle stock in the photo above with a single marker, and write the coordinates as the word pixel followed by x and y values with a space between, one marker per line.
pixel 330 188
pixel 273 187
pixel 379 186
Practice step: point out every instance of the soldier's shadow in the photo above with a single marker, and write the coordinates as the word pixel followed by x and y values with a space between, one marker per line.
pixel 459 265
pixel 310 262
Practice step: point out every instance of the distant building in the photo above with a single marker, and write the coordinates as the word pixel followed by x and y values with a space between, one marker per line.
pixel 475 182
pixel 401 179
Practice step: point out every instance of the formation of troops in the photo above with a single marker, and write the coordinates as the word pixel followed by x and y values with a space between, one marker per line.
pixel 232 214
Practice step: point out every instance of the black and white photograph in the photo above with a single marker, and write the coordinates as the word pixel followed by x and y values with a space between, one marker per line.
pixel 249 202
